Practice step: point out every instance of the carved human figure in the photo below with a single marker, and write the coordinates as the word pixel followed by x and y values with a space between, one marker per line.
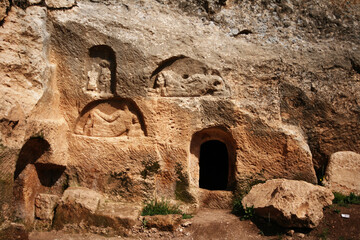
pixel 93 77
pixel 160 83
pixel 171 84
pixel 104 76
pixel 99 78
pixel 121 122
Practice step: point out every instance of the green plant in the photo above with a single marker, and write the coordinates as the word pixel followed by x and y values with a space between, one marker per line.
pixel 336 210
pixel 239 210
pixel 323 235
pixel 249 213
pixel 144 223
pixel 150 167
pixel 182 186
pixel 187 216
pixel 343 200
pixel 162 207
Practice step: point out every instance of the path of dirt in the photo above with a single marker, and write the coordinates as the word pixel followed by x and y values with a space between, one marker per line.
pixel 221 224
pixel 207 224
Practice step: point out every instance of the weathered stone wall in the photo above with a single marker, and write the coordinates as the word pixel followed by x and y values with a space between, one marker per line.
pixel 125 92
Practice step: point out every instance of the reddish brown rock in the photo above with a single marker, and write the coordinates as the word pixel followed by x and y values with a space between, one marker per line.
pixel 163 222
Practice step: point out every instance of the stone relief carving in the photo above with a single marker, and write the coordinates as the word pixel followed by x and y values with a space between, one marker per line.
pixel 99 78
pixel 110 119
pixel 185 77
pixel 170 84
pixel 101 67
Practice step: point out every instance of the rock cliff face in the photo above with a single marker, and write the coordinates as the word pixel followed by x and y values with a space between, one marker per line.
pixel 138 99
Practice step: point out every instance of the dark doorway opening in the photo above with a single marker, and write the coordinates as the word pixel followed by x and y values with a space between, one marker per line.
pixel 214 165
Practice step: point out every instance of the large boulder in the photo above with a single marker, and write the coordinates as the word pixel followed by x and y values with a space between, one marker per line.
pixel 343 173
pixel 289 203
pixel 85 210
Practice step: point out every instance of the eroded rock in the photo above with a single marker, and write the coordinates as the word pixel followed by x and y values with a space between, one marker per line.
pixel 86 198
pixel 289 203
pixel 58 4
pixel 343 173
pixel 4 6
pixel 163 222
pixel 45 205
pixel 86 210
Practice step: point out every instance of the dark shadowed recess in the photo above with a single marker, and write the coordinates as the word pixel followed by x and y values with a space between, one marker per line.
pixel 214 165
pixel 32 150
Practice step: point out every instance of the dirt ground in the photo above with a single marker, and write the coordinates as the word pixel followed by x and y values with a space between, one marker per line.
pixel 221 224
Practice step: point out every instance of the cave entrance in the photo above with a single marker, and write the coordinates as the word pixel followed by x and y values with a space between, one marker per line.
pixel 214 165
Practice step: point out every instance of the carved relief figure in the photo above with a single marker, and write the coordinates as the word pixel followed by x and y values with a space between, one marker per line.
pixel 185 77
pixel 101 68
pixel 99 78
pixel 170 84
pixel 109 120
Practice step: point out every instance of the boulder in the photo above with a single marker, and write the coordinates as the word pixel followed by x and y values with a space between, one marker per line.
pixel 289 203
pixel 343 173
pixel 58 4
pixel 86 198
pixel 45 205
pixel 163 222
pixel 85 210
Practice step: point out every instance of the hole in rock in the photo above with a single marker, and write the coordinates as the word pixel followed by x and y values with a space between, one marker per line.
pixel 33 149
pixel 245 32
pixel 214 165
pixel 49 173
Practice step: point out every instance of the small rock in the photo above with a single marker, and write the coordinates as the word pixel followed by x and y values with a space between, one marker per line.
pixel 45 205
pixel 58 4
pixel 290 232
pixel 186 224
pixel 33 2
pixel 300 235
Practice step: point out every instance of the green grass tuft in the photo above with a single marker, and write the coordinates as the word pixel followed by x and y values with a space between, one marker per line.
pixel 343 200
pixel 162 207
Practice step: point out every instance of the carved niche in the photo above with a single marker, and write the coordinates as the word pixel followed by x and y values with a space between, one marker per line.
pixel 111 118
pixel 101 70
pixel 185 77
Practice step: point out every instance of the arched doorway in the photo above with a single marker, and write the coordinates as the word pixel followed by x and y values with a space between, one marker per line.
pixel 214 165
pixel 212 159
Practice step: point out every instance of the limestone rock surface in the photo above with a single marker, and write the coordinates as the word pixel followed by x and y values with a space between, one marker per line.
pixel 163 222
pixel 343 173
pixel 45 205
pixel 86 198
pixel 60 3
pixel 4 6
pixel 289 203
pixel 86 210
pixel 120 96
